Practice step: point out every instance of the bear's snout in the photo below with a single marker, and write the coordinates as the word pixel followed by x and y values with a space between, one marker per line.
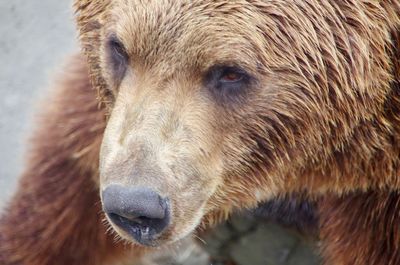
pixel 139 211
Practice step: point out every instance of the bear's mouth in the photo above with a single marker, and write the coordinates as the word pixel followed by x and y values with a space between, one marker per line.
pixel 143 230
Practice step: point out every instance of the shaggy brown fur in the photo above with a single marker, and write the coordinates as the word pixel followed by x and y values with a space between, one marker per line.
pixel 321 116
pixel 55 217
pixel 361 228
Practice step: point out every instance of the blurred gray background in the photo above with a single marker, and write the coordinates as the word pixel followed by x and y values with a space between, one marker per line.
pixel 35 37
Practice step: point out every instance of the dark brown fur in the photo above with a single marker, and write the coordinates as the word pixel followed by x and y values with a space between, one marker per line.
pixel 325 122
pixel 55 217
pixel 361 228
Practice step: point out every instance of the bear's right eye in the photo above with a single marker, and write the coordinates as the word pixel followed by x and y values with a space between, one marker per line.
pixel 117 58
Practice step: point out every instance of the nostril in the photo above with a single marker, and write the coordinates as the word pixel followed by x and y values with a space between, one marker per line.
pixel 141 220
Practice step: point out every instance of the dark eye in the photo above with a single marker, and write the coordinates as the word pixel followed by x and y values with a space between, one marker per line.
pixel 230 76
pixel 117 58
pixel 228 83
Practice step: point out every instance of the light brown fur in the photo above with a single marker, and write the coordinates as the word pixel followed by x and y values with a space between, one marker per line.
pixel 322 117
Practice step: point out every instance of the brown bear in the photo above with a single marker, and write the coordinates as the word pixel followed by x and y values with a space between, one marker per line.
pixel 206 107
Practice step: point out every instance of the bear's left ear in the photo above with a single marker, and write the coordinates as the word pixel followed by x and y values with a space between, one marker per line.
pixel 91 16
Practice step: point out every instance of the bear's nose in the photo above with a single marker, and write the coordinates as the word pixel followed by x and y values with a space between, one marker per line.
pixel 140 211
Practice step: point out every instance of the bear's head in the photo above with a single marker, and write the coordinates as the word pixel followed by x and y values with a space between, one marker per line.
pixel 218 105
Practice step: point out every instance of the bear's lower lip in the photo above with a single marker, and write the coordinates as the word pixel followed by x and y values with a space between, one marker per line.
pixel 142 234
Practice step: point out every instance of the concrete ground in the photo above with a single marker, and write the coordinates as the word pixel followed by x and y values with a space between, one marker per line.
pixel 35 37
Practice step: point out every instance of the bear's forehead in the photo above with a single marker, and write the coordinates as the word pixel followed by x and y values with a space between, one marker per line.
pixel 185 33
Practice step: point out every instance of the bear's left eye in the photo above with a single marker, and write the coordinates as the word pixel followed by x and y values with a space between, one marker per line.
pixel 227 83
pixel 231 76
pixel 117 58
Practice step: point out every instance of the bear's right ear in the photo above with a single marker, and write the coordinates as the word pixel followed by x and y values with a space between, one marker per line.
pixel 91 16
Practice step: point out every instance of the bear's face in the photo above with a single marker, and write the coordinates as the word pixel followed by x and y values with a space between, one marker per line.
pixel 215 105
